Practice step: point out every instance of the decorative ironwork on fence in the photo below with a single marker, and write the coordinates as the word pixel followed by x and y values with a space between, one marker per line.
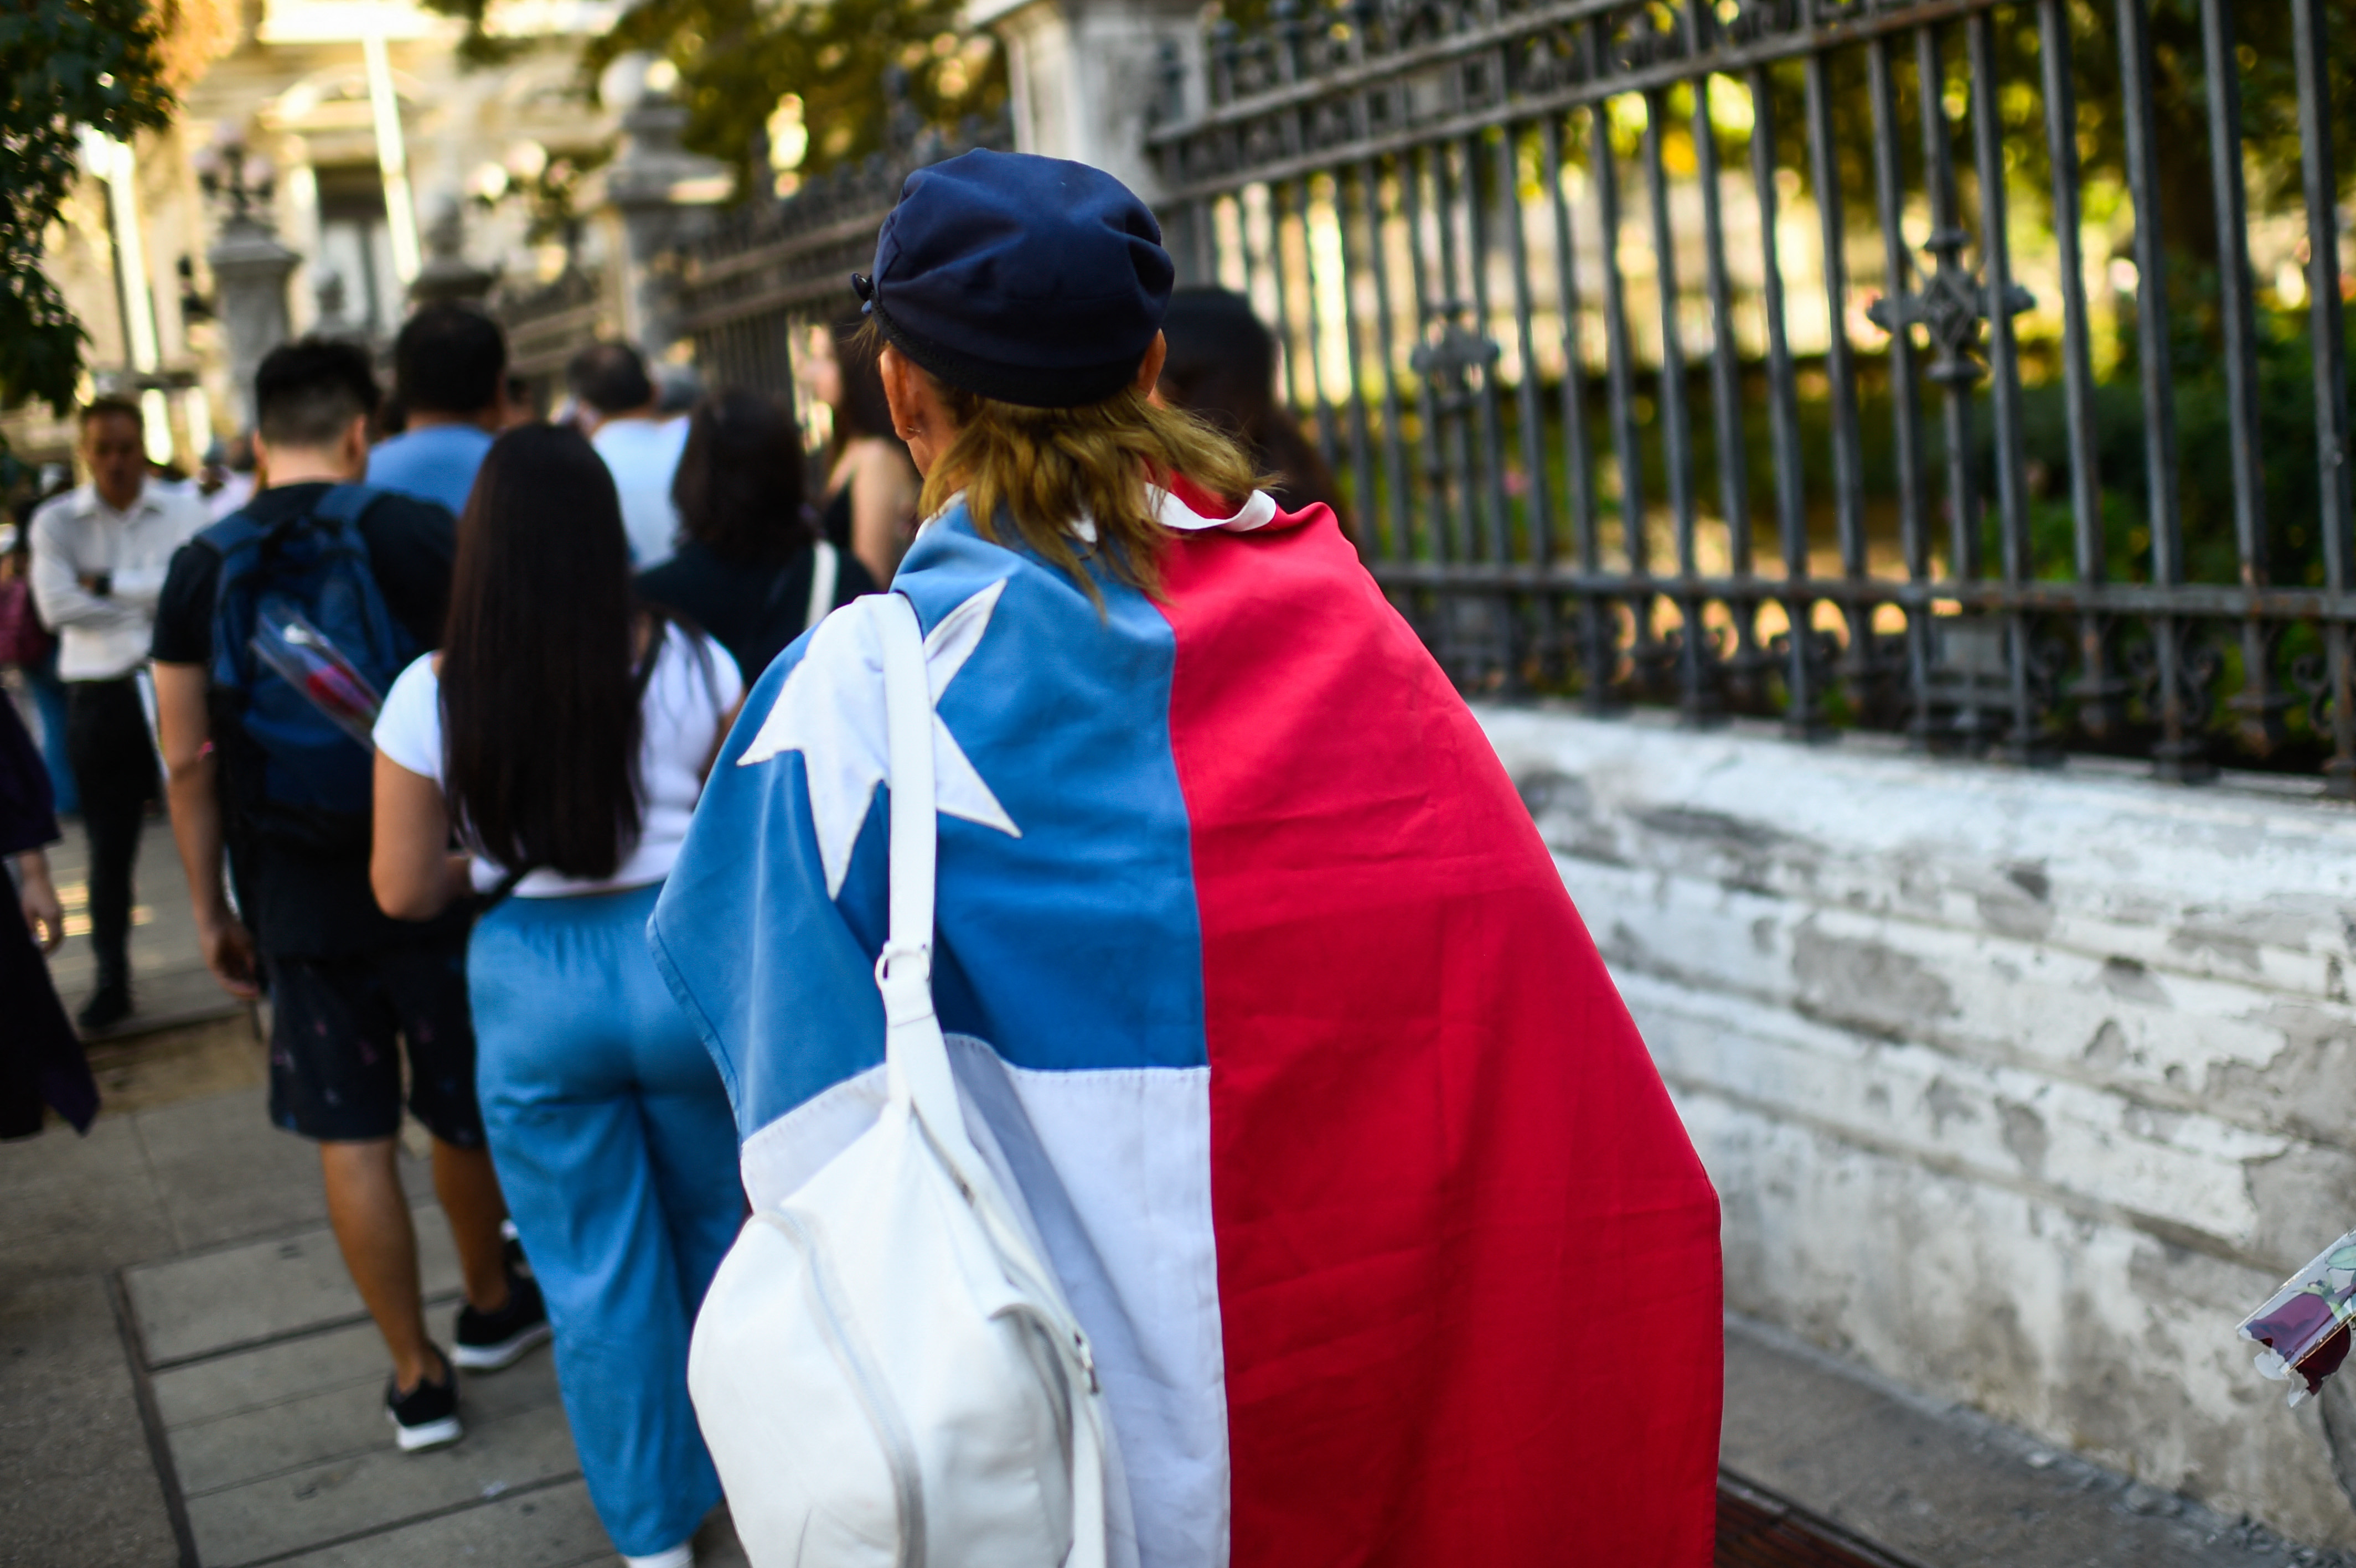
pixel 547 325
pixel 1568 341
pixel 770 267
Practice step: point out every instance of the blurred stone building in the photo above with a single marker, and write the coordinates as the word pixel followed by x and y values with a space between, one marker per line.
pixel 355 132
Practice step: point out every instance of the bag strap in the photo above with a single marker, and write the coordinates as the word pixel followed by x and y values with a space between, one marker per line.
pixel 826 568
pixel 916 1055
pixel 347 504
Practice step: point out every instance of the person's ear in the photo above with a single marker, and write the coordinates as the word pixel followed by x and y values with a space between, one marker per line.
pixel 900 394
pixel 261 462
pixel 352 451
pixel 1149 369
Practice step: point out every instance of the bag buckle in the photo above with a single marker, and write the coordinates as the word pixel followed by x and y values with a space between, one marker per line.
pixel 904 974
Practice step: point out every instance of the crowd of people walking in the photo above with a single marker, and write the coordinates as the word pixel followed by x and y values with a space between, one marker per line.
pixel 447 717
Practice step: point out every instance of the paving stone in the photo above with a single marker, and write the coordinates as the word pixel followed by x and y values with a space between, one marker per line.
pixel 225 1173
pixel 337 1421
pixel 76 1485
pixel 160 1068
pixel 378 1489
pixel 554 1527
pixel 260 1290
pixel 270 1374
pixel 168 978
pixel 79 1205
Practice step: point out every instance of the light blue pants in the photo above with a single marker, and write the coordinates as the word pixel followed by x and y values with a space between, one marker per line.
pixel 615 1146
pixel 50 702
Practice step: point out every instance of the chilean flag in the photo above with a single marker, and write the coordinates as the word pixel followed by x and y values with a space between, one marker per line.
pixel 1391 1246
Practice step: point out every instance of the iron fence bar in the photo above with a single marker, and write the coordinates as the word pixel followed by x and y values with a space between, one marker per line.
pixel 1435 491
pixel 1361 449
pixel 1456 441
pixel 1579 461
pixel 1370 197
pixel 708 269
pixel 1905 399
pixel 1537 500
pixel 1644 649
pixel 1696 699
pixel 1280 275
pixel 1402 541
pixel 1388 70
pixel 1955 369
pixel 2098 689
pixel 1602 167
pixel 1328 445
pixel 2335 690
pixel 2022 742
pixel 1244 247
pixel 1840 370
pixel 2180 754
pixel 1476 260
pixel 1802 711
pixel 2257 703
pixel 1743 668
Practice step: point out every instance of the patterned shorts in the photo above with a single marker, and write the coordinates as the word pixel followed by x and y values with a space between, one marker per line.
pixel 335 1037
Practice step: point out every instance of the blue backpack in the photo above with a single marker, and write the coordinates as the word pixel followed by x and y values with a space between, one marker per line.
pixel 295 776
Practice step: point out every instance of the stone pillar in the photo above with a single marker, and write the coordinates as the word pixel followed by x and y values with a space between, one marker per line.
pixel 1088 75
pixel 447 274
pixel 250 270
pixel 660 194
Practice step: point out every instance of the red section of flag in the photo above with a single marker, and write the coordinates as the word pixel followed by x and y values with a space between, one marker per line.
pixel 1469 1276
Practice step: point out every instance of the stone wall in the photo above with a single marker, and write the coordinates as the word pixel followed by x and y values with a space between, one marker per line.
pixel 2020 1087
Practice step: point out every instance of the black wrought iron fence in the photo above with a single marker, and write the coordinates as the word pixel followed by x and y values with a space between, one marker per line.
pixel 1576 295
pixel 547 325
pixel 772 269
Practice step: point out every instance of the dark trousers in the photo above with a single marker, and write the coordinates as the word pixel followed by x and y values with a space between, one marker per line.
pixel 114 765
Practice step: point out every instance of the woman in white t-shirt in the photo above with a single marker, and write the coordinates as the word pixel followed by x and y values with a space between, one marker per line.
pixel 567 730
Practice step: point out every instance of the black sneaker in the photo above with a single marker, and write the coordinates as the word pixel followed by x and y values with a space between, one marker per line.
pixel 107 1005
pixel 491 1340
pixel 427 1415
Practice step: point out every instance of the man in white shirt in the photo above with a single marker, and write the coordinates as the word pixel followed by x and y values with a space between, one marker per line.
pixel 99 555
pixel 620 414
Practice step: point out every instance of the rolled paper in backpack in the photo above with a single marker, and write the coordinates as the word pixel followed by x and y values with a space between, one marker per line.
pixel 2303 1327
pixel 305 658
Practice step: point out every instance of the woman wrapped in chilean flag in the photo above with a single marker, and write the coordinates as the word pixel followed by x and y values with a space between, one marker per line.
pixel 1350 1160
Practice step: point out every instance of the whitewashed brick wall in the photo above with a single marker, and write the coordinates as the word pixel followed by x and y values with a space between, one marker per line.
pixel 2019 1086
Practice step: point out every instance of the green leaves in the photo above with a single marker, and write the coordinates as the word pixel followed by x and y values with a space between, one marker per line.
pixel 65 65
pixel 738 59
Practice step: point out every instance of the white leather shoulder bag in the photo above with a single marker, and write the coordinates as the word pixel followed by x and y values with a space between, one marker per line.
pixel 885 1369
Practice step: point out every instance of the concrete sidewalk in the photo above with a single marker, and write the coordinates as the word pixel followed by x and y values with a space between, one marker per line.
pixel 170 988
pixel 185 1375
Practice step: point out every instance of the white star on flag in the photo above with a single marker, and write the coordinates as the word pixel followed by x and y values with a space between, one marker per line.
pixel 831 709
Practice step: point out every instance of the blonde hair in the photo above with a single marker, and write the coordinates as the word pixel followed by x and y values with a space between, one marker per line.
pixel 1044 469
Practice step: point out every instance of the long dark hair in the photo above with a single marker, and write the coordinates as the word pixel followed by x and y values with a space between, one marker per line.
pixel 540 711
pixel 1222 366
pixel 739 485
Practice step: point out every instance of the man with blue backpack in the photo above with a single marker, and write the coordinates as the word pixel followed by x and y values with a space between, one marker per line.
pixel 277 628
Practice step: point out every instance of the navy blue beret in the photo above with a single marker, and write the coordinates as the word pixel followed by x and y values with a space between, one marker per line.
pixel 1028 279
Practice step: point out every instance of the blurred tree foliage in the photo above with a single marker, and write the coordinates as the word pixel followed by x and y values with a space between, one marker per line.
pixel 67 66
pixel 739 59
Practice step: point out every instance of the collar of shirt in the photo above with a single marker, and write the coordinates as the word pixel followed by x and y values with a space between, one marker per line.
pixel 88 503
